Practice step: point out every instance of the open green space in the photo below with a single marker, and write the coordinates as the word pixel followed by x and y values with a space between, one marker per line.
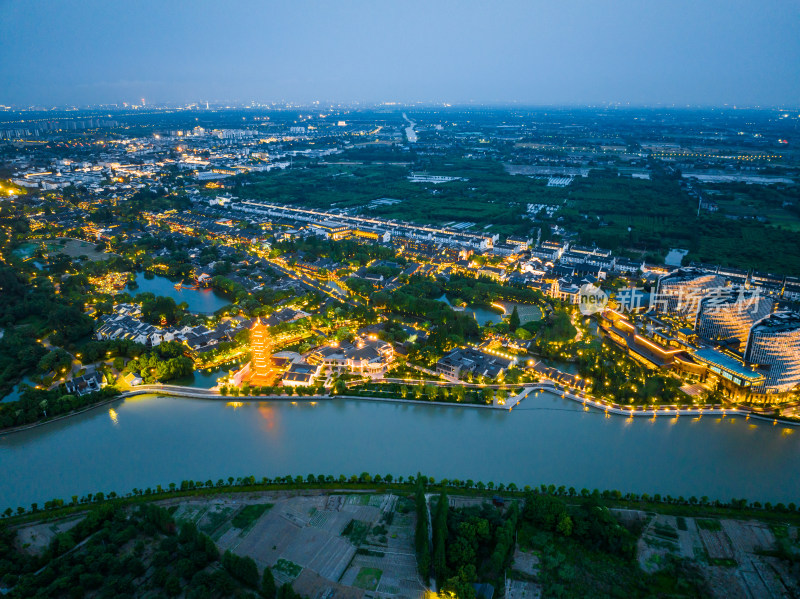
pixel 74 248
pixel 490 196
pixel 637 217
pixel 213 519
pixel 248 515
pixel 356 531
pixel 712 525
pixel 368 578
pixel 288 568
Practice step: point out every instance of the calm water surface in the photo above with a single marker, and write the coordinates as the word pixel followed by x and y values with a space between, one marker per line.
pixel 16 392
pixel 201 301
pixel 526 312
pixel 157 440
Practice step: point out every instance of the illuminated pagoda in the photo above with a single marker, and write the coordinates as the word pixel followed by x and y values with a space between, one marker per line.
pixel 261 345
pixel 260 370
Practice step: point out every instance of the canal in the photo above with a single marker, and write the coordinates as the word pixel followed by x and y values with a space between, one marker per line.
pixel 200 301
pixel 152 440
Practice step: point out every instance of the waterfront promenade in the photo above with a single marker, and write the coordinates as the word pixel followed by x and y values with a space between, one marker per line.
pixel 547 386
pixel 512 402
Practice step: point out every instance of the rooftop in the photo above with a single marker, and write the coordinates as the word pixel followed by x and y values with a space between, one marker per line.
pixel 726 362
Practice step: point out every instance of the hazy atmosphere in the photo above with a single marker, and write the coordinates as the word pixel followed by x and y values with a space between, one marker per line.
pixel 399 300
pixel 645 53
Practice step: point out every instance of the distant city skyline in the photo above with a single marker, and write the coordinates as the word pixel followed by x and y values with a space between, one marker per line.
pixel 681 53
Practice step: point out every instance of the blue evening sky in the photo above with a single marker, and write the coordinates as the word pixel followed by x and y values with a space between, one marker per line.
pixel 643 52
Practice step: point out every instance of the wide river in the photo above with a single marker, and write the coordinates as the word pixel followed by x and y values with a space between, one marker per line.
pixel 152 440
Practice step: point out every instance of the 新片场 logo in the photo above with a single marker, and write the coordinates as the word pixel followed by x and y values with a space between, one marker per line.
pixel 591 299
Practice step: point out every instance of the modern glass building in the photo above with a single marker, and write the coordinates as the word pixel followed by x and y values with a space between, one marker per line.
pixel 679 292
pixel 730 312
pixel 729 369
pixel 774 344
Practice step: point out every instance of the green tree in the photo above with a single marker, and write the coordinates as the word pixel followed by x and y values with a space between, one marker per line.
pixel 513 320
pixel 440 539
pixel 268 589
pixel 564 526
pixel 421 540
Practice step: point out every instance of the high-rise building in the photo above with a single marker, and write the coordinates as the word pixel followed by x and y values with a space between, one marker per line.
pixel 679 292
pixel 730 312
pixel 774 345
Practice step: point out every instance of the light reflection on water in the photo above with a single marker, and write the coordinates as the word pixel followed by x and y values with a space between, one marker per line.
pixel 149 440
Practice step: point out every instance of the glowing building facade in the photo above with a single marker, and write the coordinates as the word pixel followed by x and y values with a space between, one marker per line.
pixel 730 312
pixel 679 292
pixel 774 345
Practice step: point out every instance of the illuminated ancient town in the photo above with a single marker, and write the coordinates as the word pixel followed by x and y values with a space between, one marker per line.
pixel 256 342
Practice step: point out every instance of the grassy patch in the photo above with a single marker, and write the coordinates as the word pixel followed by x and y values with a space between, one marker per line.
pixel 189 514
pixel 360 499
pixel 712 525
pixel 665 531
pixel 725 562
pixel 356 531
pixel 681 522
pixel 569 568
pixel 368 579
pixel 781 531
pixel 660 543
pixel 288 568
pixel 369 552
pixel 214 519
pixel 249 514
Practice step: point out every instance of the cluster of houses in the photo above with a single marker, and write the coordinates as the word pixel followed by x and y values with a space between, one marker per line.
pixel 365 356
pixel 467 360
pixel 124 323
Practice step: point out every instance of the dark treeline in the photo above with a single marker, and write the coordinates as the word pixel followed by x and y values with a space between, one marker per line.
pixel 485 291
pixel 311 249
pixel 611 497
pixel 585 550
pixel 132 553
pixel 421 536
pixel 35 405
pixel 159 364
pixel 164 362
pixel 30 309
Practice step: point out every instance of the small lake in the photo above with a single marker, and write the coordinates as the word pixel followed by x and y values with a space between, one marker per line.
pixel 205 379
pixel 26 250
pixel 675 256
pixel 526 312
pixel 201 301
pixel 482 315
pixel 17 391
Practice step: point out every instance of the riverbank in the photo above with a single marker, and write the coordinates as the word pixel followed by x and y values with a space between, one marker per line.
pixel 244 490
pixel 26 427
pixel 508 405
pixel 698 411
